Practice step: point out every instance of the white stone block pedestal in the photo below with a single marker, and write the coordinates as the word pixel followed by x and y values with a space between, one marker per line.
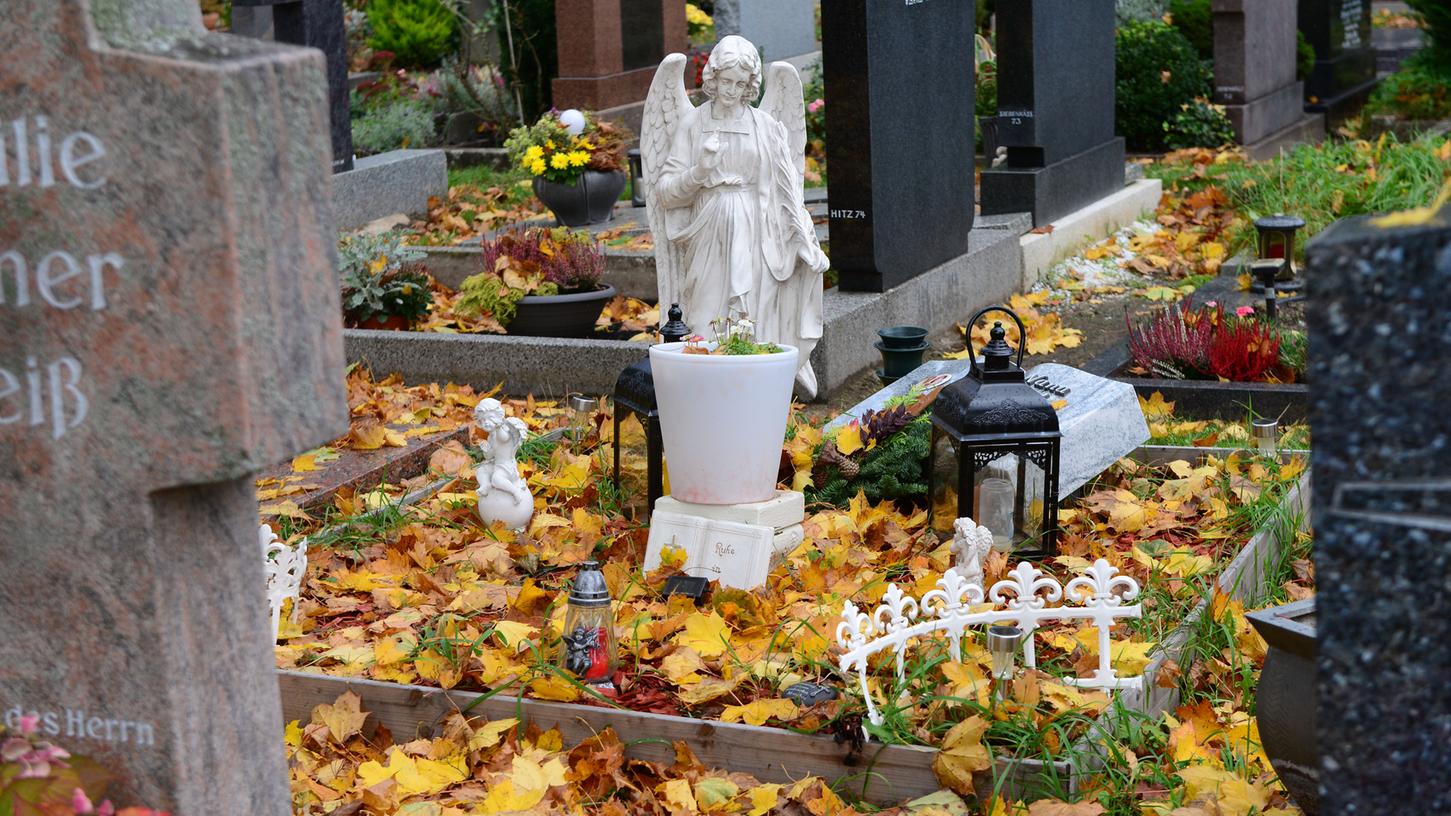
pixel 735 544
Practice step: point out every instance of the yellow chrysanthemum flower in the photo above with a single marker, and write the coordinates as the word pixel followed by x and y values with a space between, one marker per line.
pixel 578 158
pixel 537 167
pixel 559 161
pixel 534 152
pixel 549 144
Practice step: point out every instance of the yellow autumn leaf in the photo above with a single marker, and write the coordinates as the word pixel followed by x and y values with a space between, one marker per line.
pixel 304 463
pixel 514 633
pixel 368 437
pixel 556 688
pixel 506 797
pixel 343 718
pixel 292 734
pixel 962 752
pixel 678 795
pixel 708 635
pixel 708 689
pixel 1186 564
pixel 849 439
pixel 674 557
pixel 757 712
pixel 1156 405
pixel 683 666
pixel 764 799
pixel 490 733
pixel 1233 795
pixel 418 777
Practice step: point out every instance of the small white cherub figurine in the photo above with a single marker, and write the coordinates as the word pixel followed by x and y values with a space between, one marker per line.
pixel 970 545
pixel 503 495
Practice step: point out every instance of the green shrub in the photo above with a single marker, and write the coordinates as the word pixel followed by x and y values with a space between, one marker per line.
pixel 1420 90
pixel 986 97
pixel 1437 14
pixel 985 9
pixel 419 33
pixel 1139 11
pixel 1199 124
pixel 1158 73
pixel 381 278
pixel 1195 21
pixel 528 53
pixel 394 125
pixel 1304 56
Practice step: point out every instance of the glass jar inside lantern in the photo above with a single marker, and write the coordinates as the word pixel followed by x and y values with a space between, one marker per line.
pixel 587 649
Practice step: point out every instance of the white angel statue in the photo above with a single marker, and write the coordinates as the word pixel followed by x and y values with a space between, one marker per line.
pixel 503 495
pixel 970 545
pixel 724 192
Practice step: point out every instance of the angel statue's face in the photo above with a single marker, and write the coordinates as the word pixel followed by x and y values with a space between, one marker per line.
pixel 731 86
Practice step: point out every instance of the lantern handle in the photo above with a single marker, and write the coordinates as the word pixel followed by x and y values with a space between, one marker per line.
pixel 1022 334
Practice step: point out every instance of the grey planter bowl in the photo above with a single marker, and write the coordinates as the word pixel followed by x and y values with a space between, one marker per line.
pixel 560 315
pixel 590 200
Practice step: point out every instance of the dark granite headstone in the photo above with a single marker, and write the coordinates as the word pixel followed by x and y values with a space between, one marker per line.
pixel 1055 109
pixel 1254 66
pixel 899 136
pixel 1344 75
pixel 642 33
pixel 1382 513
pixel 319 24
pixel 171 326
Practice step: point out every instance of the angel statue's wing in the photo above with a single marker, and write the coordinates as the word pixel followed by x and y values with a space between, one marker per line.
pixel 784 101
pixel 665 104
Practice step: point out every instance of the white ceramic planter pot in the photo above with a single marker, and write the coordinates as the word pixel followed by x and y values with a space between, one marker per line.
pixel 723 419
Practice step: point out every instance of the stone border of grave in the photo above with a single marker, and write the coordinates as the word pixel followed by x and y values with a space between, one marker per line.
pixel 881 774
pixel 1208 399
pixel 987 274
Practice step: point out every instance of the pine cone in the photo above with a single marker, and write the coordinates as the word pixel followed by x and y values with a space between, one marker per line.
pixel 831 456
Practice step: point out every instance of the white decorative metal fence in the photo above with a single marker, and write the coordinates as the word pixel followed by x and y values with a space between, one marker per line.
pixel 1022 599
pixel 284 567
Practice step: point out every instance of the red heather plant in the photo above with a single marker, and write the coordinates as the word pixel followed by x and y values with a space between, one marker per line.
pixel 570 260
pixel 1182 343
pixel 1173 342
pixel 1244 350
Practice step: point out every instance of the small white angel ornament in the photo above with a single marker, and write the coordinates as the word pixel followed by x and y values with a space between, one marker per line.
pixel 970 545
pixel 724 192
pixel 503 495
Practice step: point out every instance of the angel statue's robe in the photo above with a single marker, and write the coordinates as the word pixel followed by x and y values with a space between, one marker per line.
pixel 747 242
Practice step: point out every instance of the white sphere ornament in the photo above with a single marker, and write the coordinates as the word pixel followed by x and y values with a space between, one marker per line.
pixel 573 121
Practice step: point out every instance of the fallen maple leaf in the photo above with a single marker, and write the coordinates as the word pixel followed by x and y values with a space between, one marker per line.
pixel 961 754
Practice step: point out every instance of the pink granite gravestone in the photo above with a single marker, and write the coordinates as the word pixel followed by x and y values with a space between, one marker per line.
pixel 171 326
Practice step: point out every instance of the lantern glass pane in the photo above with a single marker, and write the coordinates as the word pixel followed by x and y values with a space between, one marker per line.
pixel 1029 512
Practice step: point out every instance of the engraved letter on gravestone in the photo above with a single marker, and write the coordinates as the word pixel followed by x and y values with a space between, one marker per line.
pixel 171 326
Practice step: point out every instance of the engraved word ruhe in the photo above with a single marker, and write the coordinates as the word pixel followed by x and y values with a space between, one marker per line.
pixel 48 394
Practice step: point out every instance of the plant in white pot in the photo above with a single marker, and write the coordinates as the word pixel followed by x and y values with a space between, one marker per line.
pixel 724 407
pixel 578 164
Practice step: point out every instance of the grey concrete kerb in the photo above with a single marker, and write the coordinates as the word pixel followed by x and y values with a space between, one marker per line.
pixel 545 366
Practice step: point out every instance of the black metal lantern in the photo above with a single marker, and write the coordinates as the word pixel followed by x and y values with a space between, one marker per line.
pixel 1277 242
pixel 635 392
pixel 1007 441
pixel 637 178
